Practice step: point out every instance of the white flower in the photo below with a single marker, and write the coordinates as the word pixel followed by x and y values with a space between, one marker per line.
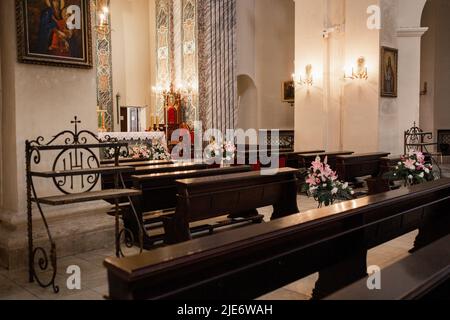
pixel 334 191
pixel 422 175
pixel 345 185
pixel 352 192
pixel 324 185
pixel 427 171
pixel 410 177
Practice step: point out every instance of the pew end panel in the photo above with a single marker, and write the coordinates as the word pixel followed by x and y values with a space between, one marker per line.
pixel 235 196
pixel 232 264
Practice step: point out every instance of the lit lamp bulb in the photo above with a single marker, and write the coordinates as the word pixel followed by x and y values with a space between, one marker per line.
pixel 307 80
pixel 102 18
pixel 361 70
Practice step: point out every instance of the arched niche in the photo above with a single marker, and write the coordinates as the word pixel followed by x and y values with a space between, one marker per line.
pixel 248 104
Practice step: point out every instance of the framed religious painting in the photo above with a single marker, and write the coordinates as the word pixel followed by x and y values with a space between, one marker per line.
pixel 288 91
pixel 54 32
pixel 389 72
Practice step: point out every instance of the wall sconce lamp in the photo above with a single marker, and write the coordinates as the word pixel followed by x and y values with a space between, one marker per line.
pixel 103 17
pixel 307 80
pixel 424 92
pixel 361 71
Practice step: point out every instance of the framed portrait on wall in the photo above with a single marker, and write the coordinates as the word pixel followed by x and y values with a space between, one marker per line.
pixel 288 91
pixel 54 32
pixel 389 72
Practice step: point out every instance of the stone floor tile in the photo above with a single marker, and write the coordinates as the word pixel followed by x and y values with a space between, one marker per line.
pixel 95 280
pixel 284 294
pixel 103 290
pixel 22 295
pixel 304 286
pixel 84 295
pixel 9 288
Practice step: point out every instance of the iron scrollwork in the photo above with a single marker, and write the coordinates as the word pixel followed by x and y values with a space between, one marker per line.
pixel 75 153
pixel 416 140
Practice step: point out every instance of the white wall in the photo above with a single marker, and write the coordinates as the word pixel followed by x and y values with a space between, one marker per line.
pixel 245 37
pixel 265 53
pixel 361 97
pixel 133 51
pixel 409 36
pixel 390 132
pixel 310 116
pixel 336 114
pixel 274 61
pixel 428 67
pixel 37 101
pixel 366 122
pixel 248 103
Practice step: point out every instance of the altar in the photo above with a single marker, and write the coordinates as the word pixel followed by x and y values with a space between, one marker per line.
pixel 141 145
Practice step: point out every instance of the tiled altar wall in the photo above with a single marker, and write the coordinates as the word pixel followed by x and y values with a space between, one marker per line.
pixel 102 47
pixel 196 46
pixel 217 63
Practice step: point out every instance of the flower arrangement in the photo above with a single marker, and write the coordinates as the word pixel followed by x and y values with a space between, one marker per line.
pixel 159 152
pixel 412 169
pixel 139 152
pixel 323 185
pixel 223 153
pixel 229 151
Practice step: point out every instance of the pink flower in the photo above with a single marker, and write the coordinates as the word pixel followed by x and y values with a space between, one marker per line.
pixel 410 164
pixel 317 165
pixel 311 181
pixel 420 157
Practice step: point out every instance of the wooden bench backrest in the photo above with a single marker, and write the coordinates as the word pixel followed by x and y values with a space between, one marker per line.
pixel 230 265
pixel 412 278
pixel 159 191
pixel 359 165
pixel 209 197
pixel 305 160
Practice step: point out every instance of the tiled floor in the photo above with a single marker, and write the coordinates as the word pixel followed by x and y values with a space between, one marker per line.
pixel 14 285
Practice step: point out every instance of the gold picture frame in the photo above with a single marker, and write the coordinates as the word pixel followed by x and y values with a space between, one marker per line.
pixel 54 33
pixel 288 91
pixel 389 72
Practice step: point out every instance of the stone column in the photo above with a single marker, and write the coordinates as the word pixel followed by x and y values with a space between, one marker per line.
pixel 409 45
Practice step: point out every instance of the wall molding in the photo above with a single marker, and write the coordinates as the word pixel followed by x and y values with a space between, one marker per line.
pixel 411 32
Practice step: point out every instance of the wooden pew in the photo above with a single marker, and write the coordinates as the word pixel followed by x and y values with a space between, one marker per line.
pixel 380 183
pixel 249 262
pixel 159 190
pixel 389 163
pixel 108 181
pixel 236 195
pixel 136 162
pixel 290 159
pixel 159 198
pixel 305 159
pixel 354 166
pixel 287 159
pixel 422 275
